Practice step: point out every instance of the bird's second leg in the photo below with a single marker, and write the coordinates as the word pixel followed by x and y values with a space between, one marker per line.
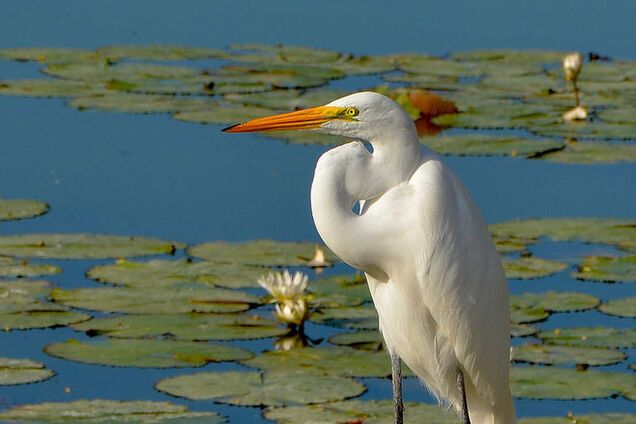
pixel 462 397
pixel 396 378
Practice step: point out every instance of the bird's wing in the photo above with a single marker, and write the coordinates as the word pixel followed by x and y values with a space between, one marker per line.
pixel 445 302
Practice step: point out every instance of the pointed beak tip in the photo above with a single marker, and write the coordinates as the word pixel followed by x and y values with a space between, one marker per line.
pixel 231 128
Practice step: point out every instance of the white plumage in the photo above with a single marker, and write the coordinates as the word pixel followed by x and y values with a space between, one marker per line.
pixel 433 272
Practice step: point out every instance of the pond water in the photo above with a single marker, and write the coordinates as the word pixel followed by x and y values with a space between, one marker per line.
pixel 151 175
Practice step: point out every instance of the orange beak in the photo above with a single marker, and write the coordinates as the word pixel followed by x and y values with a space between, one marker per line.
pixel 299 120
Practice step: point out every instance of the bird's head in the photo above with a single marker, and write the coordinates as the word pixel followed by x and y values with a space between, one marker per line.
pixel 364 115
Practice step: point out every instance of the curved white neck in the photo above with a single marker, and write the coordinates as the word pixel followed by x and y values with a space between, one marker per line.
pixel 345 176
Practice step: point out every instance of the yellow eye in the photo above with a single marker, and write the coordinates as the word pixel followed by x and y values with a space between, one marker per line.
pixel 350 112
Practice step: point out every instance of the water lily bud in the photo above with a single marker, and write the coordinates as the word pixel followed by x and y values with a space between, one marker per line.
pixel 577 114
pixel 572 66
pixel 319 261
pixel 282 286
pixel 291 311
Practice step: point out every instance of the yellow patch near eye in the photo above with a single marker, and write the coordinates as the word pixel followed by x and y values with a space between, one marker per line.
pixel 349 113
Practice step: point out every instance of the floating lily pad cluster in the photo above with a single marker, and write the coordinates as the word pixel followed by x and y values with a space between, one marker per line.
pixel 187 312
pixel 494 89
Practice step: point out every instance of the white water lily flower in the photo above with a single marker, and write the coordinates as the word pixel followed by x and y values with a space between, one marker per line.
pixel 579 113
pixel 282 286
pixel 572 66
pixel 291 311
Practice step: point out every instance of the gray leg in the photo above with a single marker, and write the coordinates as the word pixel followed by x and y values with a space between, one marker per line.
pixel 396 377
pixel 462 395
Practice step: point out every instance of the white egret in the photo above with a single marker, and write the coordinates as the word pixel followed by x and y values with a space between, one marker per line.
pixel 432 269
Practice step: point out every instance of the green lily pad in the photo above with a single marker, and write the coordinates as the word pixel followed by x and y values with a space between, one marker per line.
pixel 13 209
pixel 49 88
pixel 287 76
pixel 287 99
pixel 173 299
pixel 305 138
pixel 141 103
pixel 100 411
pixel 359 411
pixel 105 71
pixel 358 317
pixel 488 145
pixel 511 244
pixel 291 54
pixel 196 327
pixel 22 371
pixel 145 353
pixel 534 307
pixel 607 268
pixel 609 418
pixel 275 388
pixel 363 340
pixel 259 252
pixel 21 295
pixel 48 54
pixel 531 267
pixel 364 65
pixel 31 319
pixel 556 301
pixel 83 246
pixel 620 307
pixel 506 56
pixel 522 330
pixel 222 114
pixel 555 354
pixel 591 336
pixel 341 361
pixel 593 152
pixel 160 272
pixel 338 291
pixel 589 230
pixel 565 383
pixel 159 52
pixel 10 267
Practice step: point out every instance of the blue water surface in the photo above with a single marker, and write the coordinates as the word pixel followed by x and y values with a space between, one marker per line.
pixel 153 176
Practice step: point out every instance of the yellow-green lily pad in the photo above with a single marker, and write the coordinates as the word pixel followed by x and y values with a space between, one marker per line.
pixel 259 252
pixel 593 152
pixel 141 103
pixel 589 230
pixel 145 353
pixel 21 268
pixel 555 354
pixel 22 371
pixel 291 54
pixel 47 54
pixel 338 291
pixel 566 383
pixel 105 71
pixel 13 209
pixel 83 246
pixel 196 327
pixel 49 88
pixel 173 299
pixel 363 340
pixel 591 336
pixel 489 145
pixel 159 272
pixel 159 52
pixel 99 411
pixel 531 267
pixel 222 114
pixel 608 418
pixel 334 360
pixel 620 307
pixel 360 411
pixel 534 307
pixel 522 330
pixel 287 99
pixel 274 388
pixel 607 268
pixel 30 319
pixel 358 317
